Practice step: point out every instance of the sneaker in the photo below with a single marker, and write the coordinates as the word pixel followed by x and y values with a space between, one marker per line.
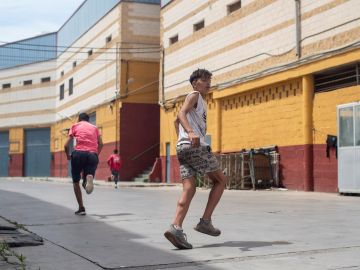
pixel 81 212
pixel 177 238
pixel 206 227
pixel 89 184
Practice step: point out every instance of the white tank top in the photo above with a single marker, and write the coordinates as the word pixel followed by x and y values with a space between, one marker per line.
pixel 197 120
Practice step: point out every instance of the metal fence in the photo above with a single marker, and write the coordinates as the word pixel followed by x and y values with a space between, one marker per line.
pixel 248 169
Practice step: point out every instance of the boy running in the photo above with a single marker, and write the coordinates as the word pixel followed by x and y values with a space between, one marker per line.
pixel 114 162
pixel 84 158
pixel 195 157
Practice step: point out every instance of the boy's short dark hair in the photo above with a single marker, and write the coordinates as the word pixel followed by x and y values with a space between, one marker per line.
pixel 200 73
pixel 84 117
pixel 116 151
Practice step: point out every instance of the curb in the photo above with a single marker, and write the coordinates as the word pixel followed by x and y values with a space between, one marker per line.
pixel 96 182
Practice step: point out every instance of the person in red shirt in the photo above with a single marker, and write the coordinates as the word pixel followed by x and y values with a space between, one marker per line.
pixel 114 162
pixel 84 158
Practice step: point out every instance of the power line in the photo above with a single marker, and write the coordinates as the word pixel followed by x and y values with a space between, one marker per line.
pixel 72 47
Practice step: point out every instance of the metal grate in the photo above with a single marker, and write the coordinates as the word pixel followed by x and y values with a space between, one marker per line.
pixel 336 78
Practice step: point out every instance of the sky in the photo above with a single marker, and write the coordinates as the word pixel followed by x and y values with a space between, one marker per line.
pixel 21 19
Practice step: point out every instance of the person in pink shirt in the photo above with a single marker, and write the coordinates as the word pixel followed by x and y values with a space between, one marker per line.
pixel 114 162
pixel 84 158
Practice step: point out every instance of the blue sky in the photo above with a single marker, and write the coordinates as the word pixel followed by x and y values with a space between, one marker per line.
pixel 22 19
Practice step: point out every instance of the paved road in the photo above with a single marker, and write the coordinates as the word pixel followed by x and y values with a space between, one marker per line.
pixel 124 229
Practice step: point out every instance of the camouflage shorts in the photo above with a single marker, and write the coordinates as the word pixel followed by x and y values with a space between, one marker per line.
pixel 196 160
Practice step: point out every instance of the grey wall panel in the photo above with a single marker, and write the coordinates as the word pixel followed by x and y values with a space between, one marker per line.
pixel 37 152
pixel 4 153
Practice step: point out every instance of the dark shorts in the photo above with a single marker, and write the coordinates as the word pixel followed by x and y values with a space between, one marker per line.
pixel 199 160
pixel 115 173
pixel 83 162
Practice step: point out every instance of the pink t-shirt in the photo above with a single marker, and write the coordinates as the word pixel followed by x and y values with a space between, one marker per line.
pixel 86 136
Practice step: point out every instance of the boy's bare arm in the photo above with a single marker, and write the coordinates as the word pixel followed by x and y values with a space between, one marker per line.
pixel 100 144
pixel 176 124
pixel 66 148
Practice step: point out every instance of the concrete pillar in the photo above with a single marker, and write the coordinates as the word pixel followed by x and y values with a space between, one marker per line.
pixel 308 95
pixel 217 143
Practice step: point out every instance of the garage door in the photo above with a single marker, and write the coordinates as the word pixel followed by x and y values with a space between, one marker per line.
pixel 37 152
pixel 4 153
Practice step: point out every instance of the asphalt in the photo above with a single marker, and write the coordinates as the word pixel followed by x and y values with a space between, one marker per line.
pixel 124 228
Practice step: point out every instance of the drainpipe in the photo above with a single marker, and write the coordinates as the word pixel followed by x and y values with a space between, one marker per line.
pixel 308 94
pixel 162 75
pixel 298 27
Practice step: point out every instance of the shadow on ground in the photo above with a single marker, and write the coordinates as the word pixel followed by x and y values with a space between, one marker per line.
pixel 87 238
pixel 246 245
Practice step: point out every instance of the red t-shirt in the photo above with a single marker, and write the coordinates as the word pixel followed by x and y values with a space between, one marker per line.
pixel 86 136
pixel 114 162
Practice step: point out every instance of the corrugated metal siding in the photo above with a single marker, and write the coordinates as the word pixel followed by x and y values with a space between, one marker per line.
pixel 4 153
pixel 37 152
pixel 28 51
pixel 82 20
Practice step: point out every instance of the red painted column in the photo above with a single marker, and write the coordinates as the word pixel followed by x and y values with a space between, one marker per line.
pixel 16 165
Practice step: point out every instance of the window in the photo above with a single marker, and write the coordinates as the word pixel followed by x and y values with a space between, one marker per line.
pixel 199 25
pixel 71 86
pixel 28 82
pixel 74 64
pixel 90 52
pixel 234 7
pixel 108 39
pixel 62 73
pixel 6 85
pixel 45 79
pixel 62 90
pixel 173 39
pixel 335 78
pixel 92 118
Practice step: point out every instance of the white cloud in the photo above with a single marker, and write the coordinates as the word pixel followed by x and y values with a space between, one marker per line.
pixel 22 19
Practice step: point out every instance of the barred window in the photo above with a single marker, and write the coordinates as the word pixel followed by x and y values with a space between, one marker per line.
pixel 173 39
pixel 71 86
pixel 46 79
pixel 28 82
pixel 62 90
pixel 199 25
pixel 6 85
pixel 234 7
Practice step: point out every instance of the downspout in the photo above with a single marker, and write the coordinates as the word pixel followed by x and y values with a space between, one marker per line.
pixel 298 27
pixel 162 76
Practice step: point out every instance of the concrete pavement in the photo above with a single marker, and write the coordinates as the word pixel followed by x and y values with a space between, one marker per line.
pixel 124 228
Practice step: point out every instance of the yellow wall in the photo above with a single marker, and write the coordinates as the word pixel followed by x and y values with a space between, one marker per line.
pixel 266 116
pixel 106 121
pixel 167 129
pixel 107 115
pixel 16 140
pixel 324 115
pixel 59 134
pixel 145 85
